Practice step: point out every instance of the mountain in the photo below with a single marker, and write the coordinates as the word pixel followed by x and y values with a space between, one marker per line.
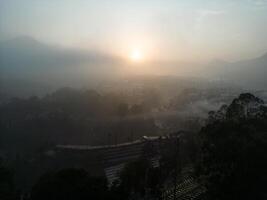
pixel 28 67
pixel 25 53
pixel 250 74
pixel 25 62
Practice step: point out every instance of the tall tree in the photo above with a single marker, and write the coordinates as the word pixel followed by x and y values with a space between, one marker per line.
pixel 234 145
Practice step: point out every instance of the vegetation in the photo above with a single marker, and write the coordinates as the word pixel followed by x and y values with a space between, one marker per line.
pixel 69 184
pixel 229 152
pixel 70 116
pixel 138 179
pixel 233 161
pixel 7 187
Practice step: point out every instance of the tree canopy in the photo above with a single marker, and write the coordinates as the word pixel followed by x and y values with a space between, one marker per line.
pixel 233 160
pixel 69 184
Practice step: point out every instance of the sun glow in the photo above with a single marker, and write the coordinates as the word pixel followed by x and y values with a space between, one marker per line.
pixel 136 55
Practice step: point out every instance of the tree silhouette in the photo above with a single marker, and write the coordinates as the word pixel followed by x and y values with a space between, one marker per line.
pixel 7 188
pixel 69 184
pixel 137 180
pixel 233 158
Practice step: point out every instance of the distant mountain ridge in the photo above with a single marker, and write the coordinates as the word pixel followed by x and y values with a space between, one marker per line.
pixel 31 61
pixel 26 51
pixel 27 63
pixel 249 73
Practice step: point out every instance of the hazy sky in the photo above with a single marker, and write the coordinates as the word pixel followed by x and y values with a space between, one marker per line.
pixel 160 29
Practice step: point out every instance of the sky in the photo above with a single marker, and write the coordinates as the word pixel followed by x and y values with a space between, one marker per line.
pixel 184 30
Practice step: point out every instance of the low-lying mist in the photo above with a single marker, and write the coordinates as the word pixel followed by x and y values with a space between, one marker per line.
pixel 29 67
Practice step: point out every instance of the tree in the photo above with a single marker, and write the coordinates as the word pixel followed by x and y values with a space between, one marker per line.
pixel 122 109
pixel 171 160
pixel 137 109
pixel 137 179
pixel 133 177
pixel 7 188
pixel 233 162
pixel 69 184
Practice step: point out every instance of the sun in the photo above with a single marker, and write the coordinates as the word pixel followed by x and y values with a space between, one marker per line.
pixel 136 55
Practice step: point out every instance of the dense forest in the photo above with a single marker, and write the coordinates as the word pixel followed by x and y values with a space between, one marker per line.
pixel 228 153
pixel 133 100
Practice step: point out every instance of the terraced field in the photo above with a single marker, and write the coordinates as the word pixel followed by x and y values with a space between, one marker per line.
pixel 187 189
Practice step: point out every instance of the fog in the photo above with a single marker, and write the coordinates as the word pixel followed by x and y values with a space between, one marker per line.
pixel 120 100
pixel 30 67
